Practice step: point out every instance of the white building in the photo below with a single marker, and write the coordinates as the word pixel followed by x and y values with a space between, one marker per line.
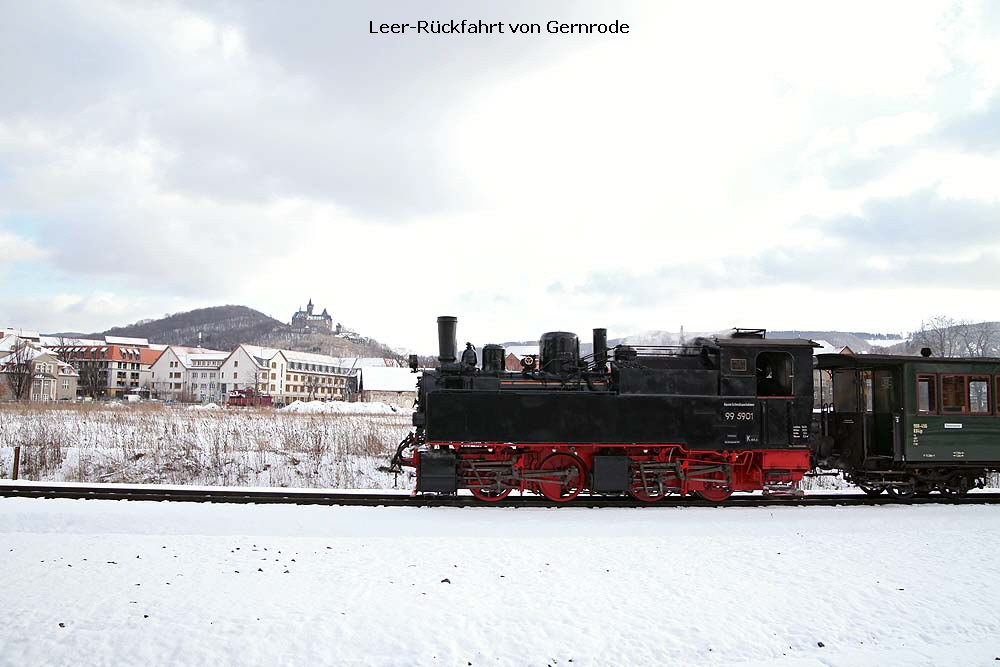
pixel 189 374
pixel 288 375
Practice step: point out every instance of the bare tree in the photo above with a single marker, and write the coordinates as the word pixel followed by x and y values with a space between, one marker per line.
pixel 947 337
pixel 941 334
pixel 981 339
pixel 312 384
pixel 19 369
pixel 90 382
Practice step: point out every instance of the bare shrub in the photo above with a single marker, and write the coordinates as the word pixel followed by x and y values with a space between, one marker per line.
pixel 154 443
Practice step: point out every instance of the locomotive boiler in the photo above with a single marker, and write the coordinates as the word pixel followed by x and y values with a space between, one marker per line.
pixel 722 414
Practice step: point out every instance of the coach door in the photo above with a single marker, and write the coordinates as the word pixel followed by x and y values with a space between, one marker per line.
pixel 850 414
pixel 886 435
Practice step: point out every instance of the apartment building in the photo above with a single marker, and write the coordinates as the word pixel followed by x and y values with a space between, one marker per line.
pixel 188 374
pixel 288 375
pixel 317 377
pixel 110 369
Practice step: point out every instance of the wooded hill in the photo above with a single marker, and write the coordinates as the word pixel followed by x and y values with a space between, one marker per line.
pixel 226 327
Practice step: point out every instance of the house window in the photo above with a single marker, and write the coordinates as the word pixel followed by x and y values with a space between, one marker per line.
pixel 926 395
pixel 65 384
pixel 236 364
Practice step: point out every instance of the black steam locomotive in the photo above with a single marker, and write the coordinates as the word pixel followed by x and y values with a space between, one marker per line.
pixel 722 414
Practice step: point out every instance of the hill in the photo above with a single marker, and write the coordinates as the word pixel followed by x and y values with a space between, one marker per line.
pixel 220 327
pixel 226 327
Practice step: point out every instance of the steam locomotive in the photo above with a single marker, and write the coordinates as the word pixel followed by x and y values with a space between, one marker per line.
pixel 718 415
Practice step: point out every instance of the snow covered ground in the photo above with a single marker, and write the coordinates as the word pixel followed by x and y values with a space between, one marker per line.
pixel 160 444
pixel 100 582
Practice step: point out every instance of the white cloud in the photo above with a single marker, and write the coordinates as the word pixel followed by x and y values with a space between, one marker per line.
pixel 226 154
pixel 14 248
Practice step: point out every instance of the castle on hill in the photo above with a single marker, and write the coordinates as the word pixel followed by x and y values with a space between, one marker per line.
pixel 306 321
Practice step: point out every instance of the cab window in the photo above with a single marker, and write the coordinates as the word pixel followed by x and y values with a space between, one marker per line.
pixel 774 374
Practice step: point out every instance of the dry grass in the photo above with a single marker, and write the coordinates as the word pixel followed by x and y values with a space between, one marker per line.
pixel 150 443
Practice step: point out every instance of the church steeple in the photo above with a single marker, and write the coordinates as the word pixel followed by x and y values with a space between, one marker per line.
pixel 309 307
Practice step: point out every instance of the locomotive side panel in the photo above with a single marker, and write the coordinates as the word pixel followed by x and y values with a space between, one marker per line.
pixel 701 422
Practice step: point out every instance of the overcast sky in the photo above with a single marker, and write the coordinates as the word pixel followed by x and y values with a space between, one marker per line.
pixel 782 165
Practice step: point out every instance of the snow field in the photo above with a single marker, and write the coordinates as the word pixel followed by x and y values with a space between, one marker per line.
pixel 177 445
pixel 157 583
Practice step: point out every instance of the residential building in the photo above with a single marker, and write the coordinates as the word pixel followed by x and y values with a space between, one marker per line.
pixel 289 375
pixel 108 370
pixel 188 374
pixel 317 377
pixel 253 367
pixel 51 378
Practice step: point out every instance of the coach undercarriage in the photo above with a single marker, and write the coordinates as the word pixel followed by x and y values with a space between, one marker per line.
pixel 910 482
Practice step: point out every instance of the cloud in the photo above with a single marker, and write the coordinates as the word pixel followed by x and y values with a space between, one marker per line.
pixel 220 152
pixel 14 248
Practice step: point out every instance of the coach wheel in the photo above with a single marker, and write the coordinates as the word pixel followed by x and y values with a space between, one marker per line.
pixel 490 495
pixel 714 495
pixel 871 490
pixel 563 477
pixel 956 487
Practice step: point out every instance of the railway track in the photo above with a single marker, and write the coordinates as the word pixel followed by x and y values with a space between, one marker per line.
pixel 297 497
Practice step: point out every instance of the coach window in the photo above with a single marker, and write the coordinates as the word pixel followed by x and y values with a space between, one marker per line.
pixel 774 374
pixel 954 396
pixel 926 394
pixel 979 394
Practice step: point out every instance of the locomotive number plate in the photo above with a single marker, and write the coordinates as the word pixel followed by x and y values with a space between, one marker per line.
pixel 740 416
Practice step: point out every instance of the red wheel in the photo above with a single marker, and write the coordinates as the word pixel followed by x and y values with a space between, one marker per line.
pixel 563 477
pixel 714 495
pixel 646 490
pixel 491 495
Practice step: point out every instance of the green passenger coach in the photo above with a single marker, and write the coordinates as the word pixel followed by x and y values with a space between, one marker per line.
pixel 911 425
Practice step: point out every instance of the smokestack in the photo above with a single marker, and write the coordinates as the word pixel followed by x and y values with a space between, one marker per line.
pixel 601 350
pixel 447 342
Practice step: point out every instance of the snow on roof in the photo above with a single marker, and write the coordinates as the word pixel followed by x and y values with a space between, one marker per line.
pixel 23 333
pixel 122 340
pixel 825 348
pixel 309 357
pixel 522 350
pixel 258 351
pixel 374 378
pixel 362 362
